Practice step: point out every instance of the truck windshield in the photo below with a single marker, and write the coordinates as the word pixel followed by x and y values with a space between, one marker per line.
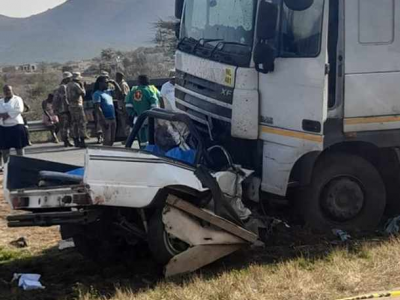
pixel 227 23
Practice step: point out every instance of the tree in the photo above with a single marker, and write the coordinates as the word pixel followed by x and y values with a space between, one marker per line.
pixel 165 35
pixel 110 60
pixel 43 68
pixel 2 83
pixel 67 69
pixel 37 87
pixel 108 55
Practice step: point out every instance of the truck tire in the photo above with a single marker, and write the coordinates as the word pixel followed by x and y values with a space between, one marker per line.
pixel 346 192
pixel 162 246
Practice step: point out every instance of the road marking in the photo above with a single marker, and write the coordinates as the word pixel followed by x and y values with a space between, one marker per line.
pixel 381 295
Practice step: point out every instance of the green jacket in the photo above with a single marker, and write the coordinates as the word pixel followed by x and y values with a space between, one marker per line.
pixel 141 99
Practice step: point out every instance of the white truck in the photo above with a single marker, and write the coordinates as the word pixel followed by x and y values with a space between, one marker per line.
pixel 304 92
pixel 168 197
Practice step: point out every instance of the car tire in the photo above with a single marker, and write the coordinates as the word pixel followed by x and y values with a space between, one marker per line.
pixel 162 246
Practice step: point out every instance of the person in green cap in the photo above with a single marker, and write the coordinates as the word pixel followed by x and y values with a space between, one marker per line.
pixel 139 100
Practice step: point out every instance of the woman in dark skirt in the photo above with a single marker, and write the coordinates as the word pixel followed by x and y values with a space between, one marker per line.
pixel 13 133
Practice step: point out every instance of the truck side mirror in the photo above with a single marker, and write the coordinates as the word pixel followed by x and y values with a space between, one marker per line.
pixel 298 5
pixel 179 8
pixel 267 20
pixel 264 58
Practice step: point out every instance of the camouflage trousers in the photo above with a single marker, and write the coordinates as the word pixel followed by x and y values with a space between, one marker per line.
pixel 65 125
pixel 78 122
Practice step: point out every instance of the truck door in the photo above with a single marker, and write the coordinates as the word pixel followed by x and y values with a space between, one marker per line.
pixel 372 65
pixel 294 96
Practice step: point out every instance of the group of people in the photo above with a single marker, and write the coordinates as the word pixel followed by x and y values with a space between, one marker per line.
pixel 64 110
pixel 113 101
pixel 64 113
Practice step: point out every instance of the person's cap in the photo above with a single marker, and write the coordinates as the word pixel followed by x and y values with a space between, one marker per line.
pixel 67 75
pixel 105 74
pixel 172 74
pixel 120 74
pixel 76 76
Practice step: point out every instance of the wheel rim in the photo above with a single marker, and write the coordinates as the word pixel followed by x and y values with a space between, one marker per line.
pixel 173 244
pixel 342 198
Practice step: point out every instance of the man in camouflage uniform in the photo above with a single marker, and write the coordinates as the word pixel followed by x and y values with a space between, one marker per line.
pixel 75 92
pixel 122 114
pixel 61 108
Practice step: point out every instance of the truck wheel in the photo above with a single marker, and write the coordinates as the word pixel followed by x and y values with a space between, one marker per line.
pixel 347 192
pixel 162 245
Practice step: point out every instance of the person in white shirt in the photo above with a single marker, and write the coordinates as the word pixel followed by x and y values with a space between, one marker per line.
pixel 13 133
pixel 168 93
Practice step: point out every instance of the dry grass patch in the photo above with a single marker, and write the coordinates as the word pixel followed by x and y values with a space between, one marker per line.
pixel 342 272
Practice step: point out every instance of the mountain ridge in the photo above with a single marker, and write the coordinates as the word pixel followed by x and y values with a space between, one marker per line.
pixel 80 29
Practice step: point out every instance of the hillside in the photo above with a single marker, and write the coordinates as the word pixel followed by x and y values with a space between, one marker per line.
pixel 79 29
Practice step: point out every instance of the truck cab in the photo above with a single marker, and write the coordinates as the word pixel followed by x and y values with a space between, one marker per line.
pixel 305 92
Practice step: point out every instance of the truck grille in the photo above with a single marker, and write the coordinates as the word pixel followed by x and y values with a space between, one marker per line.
pixel 203 99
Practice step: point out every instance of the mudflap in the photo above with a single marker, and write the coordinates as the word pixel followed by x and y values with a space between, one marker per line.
pixel 209 236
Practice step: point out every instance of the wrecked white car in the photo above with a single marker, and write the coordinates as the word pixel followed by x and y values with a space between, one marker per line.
pixel 168 195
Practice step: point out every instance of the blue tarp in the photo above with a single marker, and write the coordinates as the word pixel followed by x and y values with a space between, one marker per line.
pixel 155 150
pixel 77 172
pixel 187 156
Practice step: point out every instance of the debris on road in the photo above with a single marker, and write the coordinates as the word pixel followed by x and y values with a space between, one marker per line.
pixel 66 244
pixel 343 235
pixel 206 244
pixel 28 282
pixel 230 183
pixel 392 226
pixel 19 243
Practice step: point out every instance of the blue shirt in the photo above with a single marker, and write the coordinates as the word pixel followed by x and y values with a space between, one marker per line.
pixel 105 100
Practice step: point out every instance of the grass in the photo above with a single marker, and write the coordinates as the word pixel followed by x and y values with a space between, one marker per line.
pixel 342 272
pixel 7 255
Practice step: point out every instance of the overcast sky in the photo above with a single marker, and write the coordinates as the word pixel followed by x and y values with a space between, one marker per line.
pixel 25 8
